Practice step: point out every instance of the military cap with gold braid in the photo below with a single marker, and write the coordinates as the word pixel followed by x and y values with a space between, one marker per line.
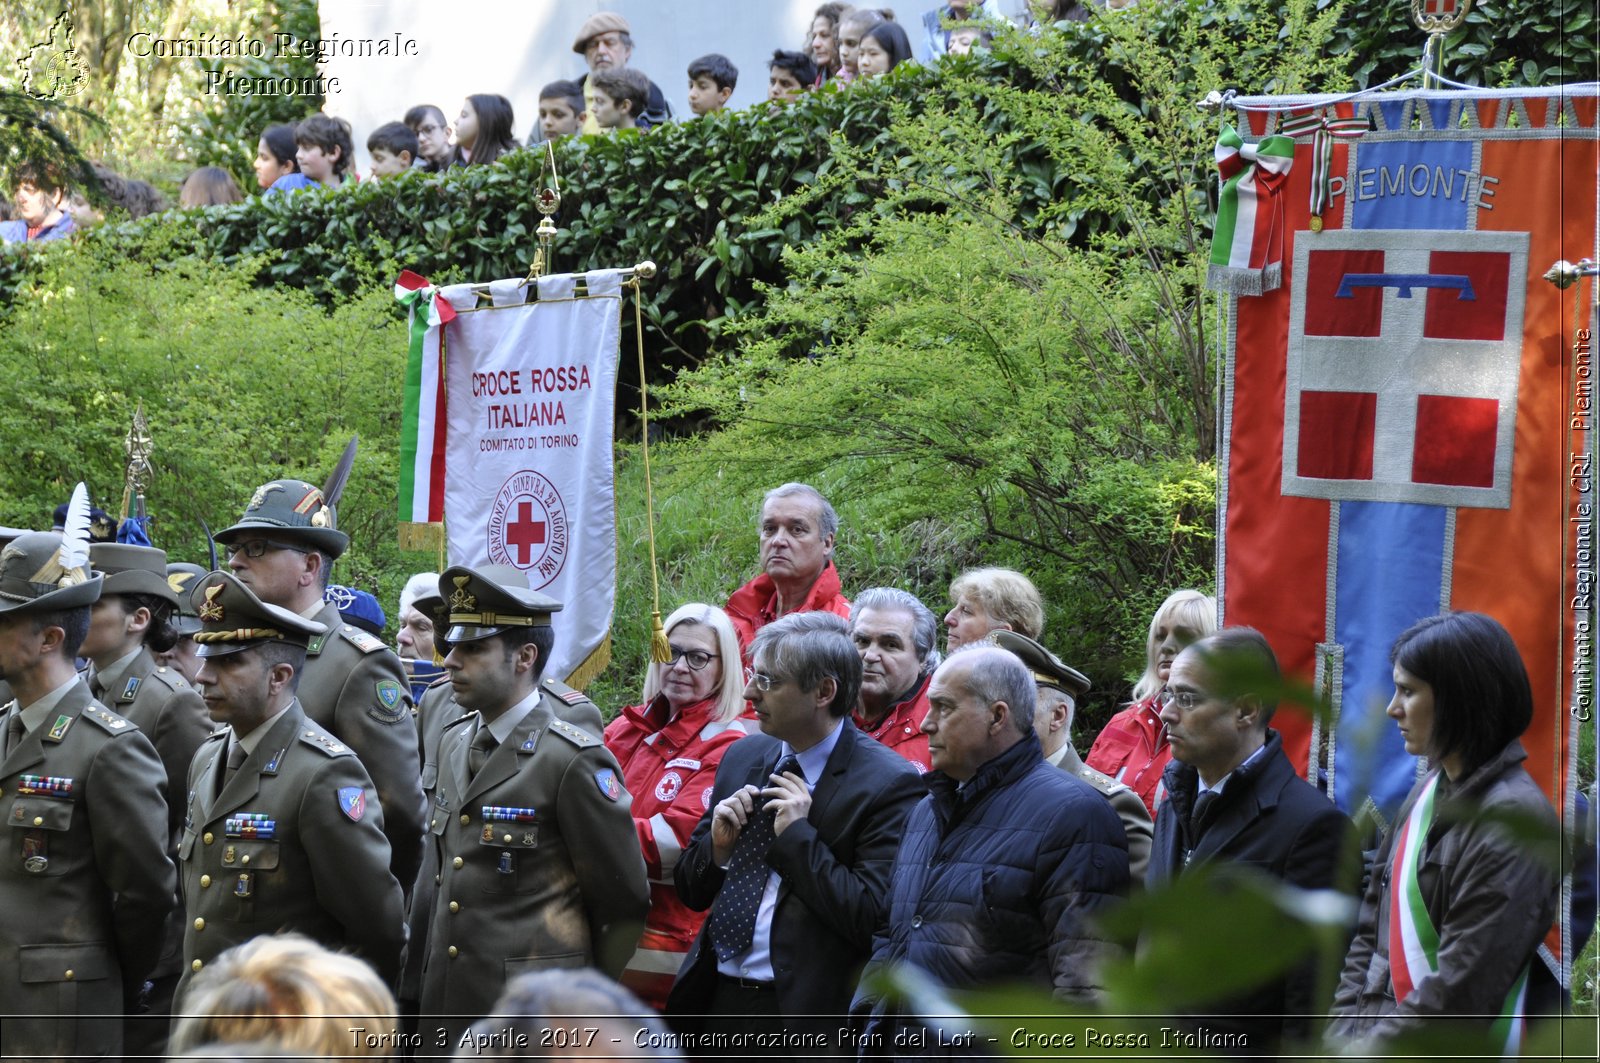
pixel 1048 669
pixel 181 577
pixel 293 511
pixel 478 605
pixel 46 571
pixel 234 619
pixel 133 570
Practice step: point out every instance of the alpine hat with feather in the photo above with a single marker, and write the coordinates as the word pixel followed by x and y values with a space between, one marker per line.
pixel 49 571
pixel 297 512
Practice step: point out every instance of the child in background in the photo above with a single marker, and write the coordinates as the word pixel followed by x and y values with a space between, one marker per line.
pixel 393 147
pixel 561 110
pixel 324 148
pixel 788 75
pixel 883 47
pixel 964 38
pixel 207 187
pixel 277 169
pixel 434 152
pixel 620 98
pixel 712 79
pixel 853 25
pixel 483 132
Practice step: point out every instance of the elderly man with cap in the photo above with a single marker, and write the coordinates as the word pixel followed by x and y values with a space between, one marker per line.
pixel 85 881
pixel 1060 686
pixel 181 656
pixel 353 684
pixel 283 831
pixel 539 863
pixel 132 620
pixel 606 43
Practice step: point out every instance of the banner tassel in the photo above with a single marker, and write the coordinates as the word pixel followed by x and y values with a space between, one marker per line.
pixel 660 652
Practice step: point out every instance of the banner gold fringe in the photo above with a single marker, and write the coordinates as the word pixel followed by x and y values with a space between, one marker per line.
pixel 591 666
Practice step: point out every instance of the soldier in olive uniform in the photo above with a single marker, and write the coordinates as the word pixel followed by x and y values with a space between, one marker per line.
pixel 539 862
pixel 85 881
pixel 353 684
pixel 283 829
pixel 1060 685
pixel 437 710
pixel 133 618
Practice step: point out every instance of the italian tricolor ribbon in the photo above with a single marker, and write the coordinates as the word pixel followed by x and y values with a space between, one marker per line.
pixel 1247 245
pixel 422 431
pixel 1413 939
pixel 1324 129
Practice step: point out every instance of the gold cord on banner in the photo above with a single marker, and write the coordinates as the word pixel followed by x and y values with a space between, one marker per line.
pixel 660 652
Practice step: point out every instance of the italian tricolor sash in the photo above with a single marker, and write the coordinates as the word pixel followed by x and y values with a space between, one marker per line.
pixel 1413 939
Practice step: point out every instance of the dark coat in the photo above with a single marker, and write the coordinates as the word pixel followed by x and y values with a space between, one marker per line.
pixel 1488 896
pixel 1269 819
pixel 997 882
pixel 835 872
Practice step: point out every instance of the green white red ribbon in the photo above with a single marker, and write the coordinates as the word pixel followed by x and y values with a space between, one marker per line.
pixel 1413 939
pixel 1325 130
pixel 423 423
pixel 1247 244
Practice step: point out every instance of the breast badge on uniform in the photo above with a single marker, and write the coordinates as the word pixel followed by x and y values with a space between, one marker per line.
pixel 353 802
pixel 606 779
pixel 669 786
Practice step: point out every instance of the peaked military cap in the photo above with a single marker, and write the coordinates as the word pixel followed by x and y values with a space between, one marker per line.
pixel 234 619
pixel 1048 669
pixel 478 604
pixel 33 579
pixel 434 607
pixel 291 510
pixel 132 569
pixel 181 577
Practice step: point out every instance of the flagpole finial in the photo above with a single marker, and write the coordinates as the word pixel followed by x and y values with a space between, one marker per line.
pixel 547 201
pixel 1564 274
pixel 1436 18
pixel 138 446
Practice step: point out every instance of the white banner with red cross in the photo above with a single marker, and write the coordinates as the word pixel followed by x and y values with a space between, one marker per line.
pixel 530 383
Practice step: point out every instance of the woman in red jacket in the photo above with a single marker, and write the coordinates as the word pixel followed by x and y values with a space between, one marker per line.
pixel 1132 748
pixel 669 748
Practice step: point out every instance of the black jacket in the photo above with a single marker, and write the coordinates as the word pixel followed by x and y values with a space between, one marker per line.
pixel 835 873
pixel 1269 819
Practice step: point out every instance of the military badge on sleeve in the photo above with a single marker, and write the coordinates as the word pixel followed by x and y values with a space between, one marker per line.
pixel 606 779
pixel 353 802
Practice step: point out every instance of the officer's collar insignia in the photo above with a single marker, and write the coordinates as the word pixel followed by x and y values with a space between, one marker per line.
pixel 211 609
pixel 533 740
pixel 261 494
pixel 461 601
pixel 272 765
pixel 58 730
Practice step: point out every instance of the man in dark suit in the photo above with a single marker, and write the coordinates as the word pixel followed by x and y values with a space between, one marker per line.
pixel 793 854
pixel 1233 797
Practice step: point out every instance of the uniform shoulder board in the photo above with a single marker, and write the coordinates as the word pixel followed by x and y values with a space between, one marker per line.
pixel 564 692
pixel 361 640
pixel 1100 781
pixel 576 735
pixel 107 719
pixel 167 677
pixel 324 741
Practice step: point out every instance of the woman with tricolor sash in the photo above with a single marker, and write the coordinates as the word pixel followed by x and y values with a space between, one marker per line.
pixel 1463 888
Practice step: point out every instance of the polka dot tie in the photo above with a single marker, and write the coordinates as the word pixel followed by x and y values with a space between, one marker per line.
pixel 733 919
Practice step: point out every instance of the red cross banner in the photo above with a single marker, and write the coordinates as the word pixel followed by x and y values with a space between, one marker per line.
pixel 1407 421
pixel 530 383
